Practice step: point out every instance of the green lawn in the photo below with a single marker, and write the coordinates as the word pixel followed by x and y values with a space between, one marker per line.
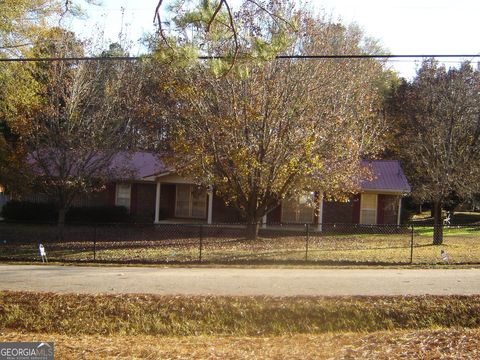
pixel 464 231
pixel 459 218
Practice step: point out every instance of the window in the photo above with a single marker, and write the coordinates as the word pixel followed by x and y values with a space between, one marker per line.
pixel 368 209
pixel 299 209
pixel 191 201
pixel 123 195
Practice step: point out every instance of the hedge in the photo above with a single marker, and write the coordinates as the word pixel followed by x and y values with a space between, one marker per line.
pixel 26 211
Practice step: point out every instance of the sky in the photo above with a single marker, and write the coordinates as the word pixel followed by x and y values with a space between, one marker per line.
pixel 401 26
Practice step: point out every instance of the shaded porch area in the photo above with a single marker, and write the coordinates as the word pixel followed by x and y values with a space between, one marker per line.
pixel 179 200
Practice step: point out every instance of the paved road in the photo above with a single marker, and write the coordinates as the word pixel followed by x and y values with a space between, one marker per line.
pixel 229 281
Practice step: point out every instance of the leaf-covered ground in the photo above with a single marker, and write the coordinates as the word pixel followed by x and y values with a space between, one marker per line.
pixel 461 245
pixel 181 327
pixel 423 344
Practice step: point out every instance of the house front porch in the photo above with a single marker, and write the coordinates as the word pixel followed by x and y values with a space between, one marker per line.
pixel 179 200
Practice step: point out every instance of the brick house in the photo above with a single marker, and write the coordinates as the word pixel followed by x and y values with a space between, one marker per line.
pixel 155 193
pixel 3 199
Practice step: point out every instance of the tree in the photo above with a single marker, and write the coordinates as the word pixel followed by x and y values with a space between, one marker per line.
pixel 23 23
pixel 209 14
pixel 263 130
pixel 82 123
pixel 18 100
pixel 436 121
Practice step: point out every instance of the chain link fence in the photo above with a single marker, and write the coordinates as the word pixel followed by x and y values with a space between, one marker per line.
pixel 335 244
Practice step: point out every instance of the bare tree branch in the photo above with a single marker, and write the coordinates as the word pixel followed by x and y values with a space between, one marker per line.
pixel 235 35
pixel 275 17
pixel 214 17
pixel 157 18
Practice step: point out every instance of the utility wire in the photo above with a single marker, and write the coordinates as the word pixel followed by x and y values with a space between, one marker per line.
pixel 79 58
pixel 320 57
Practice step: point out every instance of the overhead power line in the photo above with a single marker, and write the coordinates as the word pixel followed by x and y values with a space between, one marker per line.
pixel 384 56
pixel 320 57
pixel 80 58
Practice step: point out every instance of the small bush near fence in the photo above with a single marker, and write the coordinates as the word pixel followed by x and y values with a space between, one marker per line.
pixel 29 211
pixel 25 211
pixel 335 244
pixel 98 215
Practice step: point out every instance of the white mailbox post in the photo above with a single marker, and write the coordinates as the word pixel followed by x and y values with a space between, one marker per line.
pixel 43 253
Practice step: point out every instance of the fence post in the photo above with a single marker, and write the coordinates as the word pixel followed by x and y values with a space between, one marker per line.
pixel 306 241
pixel 411 247
pixel 201 243
pixel 95 243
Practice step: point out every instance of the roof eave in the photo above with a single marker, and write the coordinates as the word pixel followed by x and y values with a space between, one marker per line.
pixel 154 177
pixel 387 191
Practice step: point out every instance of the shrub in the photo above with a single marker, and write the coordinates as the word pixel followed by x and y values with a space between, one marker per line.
pixel 26 211
pixel 409 209
pixel 98 214
pixel 15 210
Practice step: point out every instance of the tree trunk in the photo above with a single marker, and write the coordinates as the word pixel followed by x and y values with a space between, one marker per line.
pixel 61 222
pixel 251 230
pixel 252 217
pixel 437 223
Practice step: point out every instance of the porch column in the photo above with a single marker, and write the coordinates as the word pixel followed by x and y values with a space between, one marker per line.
pixel 399 209
pixel 264 222
pixel 320 211
pixel 210 205
pixel 157 203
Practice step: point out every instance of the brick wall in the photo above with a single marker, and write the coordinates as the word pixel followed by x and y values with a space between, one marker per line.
pixel 224 213
pixel 390 209
pixel 349 212
pixel 105 197
pixel 143 202
pixel 338 212
pixel 275 216
pixel 167 201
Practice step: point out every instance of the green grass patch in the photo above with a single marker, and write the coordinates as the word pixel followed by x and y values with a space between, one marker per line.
pixel 449 231
pixel 459 218
pixel 239 316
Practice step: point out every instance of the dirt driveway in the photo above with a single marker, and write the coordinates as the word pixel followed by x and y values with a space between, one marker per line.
pixel 233 281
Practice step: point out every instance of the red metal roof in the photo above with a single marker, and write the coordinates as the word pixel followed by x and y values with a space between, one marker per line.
pixel 387 175
pixel 123 166
pixel 141 164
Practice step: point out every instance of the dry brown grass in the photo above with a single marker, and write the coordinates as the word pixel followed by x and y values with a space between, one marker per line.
pixel 425 344
pixel 175 327
pixel 261 316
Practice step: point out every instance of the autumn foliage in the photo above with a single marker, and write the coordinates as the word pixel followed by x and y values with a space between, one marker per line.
pixel 261 129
